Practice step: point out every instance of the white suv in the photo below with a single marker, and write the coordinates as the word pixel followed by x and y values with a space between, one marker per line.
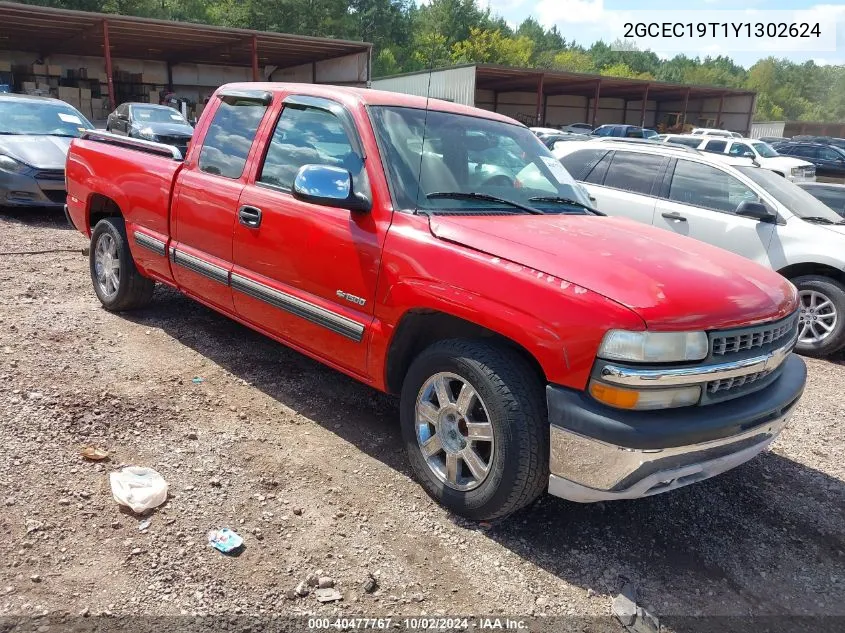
pixel 731 203
pixel 793 169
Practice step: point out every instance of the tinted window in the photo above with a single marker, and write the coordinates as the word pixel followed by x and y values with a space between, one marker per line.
pixel 597 174
pixel 230 137
pixel 306 136
pixel 633 172
pixel 740 149
pixel 828 153
pixel 679 140
pixel 807 151
pixel 715 146
pixel 705 186
pixel 581 163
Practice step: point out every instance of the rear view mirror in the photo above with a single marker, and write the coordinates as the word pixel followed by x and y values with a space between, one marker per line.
pixel 328 186
pixel 756 211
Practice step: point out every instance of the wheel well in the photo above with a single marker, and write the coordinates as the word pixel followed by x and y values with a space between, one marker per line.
pixel 419 329
pixel 100 207
pixel 798 270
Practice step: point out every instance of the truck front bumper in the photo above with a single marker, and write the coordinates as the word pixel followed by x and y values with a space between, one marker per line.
pixel 599 453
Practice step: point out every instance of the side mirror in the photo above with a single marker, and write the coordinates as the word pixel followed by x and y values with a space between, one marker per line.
pixel 328 186
pixel 756 211
pixel 748 154
pixel 123 117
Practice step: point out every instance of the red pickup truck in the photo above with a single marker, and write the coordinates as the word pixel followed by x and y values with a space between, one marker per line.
pixel 439 252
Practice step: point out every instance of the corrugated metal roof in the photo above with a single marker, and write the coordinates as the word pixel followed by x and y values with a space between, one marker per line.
pixel 48 31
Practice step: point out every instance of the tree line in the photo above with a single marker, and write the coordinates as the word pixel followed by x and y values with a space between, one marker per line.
pixel 410 37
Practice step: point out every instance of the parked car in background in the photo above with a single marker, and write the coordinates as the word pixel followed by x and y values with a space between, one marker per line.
pixel 772 139
pixel 650 134
pixel 544 131
pixel 35 133
pixel 624 131
pixel 578 128
pixel 824 140
pixel 731 203
pixel 832 194
pixel 686 140
pixel 793 169
pixel 828 159
pixel 534 344
pixel 549 140
pixel 712 131
pixel 151 122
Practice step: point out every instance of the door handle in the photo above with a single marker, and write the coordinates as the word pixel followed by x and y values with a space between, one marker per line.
pixel 249 216
pixel 674 216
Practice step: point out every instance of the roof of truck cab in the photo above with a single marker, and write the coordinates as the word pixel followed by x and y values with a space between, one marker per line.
pixel 353 97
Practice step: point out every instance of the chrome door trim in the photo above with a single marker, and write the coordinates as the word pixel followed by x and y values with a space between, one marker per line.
pixel 199 266
pixel 150 242
pixel 298 307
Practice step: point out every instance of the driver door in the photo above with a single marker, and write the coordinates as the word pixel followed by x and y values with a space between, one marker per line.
pixel 305 272
pixel 700 202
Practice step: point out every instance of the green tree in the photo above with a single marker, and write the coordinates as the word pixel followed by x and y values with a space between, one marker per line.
pixel 492 47
pixel 573 60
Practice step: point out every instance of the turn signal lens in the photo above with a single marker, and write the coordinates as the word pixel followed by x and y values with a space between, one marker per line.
pixel 614 396
pixel 647 399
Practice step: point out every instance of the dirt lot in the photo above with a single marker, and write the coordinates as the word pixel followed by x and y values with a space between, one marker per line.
pixel 307 465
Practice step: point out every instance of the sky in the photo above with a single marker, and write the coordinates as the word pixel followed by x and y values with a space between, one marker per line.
pixel 586 21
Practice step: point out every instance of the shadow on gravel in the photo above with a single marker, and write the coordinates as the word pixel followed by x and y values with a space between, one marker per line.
pixel 765 539
pixel 48 218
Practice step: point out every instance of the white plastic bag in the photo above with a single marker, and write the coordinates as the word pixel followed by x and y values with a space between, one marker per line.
pixel 138 487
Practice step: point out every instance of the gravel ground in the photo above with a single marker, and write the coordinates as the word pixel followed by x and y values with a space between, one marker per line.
pixel 307 466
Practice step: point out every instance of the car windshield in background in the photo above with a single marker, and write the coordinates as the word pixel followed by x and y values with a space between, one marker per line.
pixel 157 115
pixel 789 195
pixel 41 118
pixel 764 150
pixel 429 152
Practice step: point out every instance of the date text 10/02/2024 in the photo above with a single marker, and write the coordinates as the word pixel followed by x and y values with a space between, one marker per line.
pixel 418 624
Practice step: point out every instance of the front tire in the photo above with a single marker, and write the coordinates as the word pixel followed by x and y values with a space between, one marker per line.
pixel 118 283
pixel 821 330
pixel 475 428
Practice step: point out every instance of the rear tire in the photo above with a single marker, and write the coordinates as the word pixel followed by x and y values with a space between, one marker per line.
pixel 501 428
pixel 822 307
pixel 118 283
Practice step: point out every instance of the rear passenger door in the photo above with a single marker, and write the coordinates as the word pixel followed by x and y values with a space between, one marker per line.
pixel 625 184
pixel 205 200
pixel 700 201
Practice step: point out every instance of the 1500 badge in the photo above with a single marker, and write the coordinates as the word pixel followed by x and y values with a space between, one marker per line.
pixel 352 298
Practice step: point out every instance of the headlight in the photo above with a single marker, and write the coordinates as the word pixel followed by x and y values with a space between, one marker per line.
pixel 654 347
pixel 147 133
pixel 645 399
pixel 797 171
pixel 7 163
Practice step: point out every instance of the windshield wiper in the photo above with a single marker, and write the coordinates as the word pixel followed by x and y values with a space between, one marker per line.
pixel 460 195
pixel 817 219
pixel 567 201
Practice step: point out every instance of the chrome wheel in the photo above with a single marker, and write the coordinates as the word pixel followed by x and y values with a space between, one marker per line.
pixel 817 317
pixel 454 432
pixel 107 265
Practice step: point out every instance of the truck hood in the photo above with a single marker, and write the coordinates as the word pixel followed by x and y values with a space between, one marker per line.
pixel 784 162
pixel 672 282
pixel 43 152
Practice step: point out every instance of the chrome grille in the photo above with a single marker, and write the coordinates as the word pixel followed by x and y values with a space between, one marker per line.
pixel 751 338
pixel 727 384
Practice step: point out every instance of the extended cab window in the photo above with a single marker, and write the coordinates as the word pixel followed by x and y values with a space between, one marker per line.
pixel 705 186
pixel 633 172
pixel 229 138
pixel 306 136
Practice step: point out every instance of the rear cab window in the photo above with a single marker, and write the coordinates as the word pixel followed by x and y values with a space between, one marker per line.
pixel 229 138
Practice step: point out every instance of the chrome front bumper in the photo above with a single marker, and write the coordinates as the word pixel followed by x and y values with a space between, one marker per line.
pixel 600 453
pixel 588 470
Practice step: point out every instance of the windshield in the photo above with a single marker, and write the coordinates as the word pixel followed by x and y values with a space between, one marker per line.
pixel 52 118
pixel 764 150
pixel 791 196
pixel 143 114
pixel 468 155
